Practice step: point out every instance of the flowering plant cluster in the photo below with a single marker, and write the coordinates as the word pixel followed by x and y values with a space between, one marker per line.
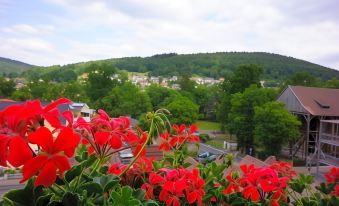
pixel 75 164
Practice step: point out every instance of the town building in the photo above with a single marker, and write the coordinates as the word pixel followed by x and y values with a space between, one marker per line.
pixel 318 110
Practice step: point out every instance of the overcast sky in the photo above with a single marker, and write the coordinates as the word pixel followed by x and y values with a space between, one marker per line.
pixel 46 32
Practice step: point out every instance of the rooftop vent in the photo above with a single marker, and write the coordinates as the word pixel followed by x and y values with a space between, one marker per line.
pixel 322 104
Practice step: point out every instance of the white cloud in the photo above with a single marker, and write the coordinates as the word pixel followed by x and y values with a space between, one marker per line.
pixel 101 29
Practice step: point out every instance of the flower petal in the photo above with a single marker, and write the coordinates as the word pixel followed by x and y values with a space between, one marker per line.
pixel 115 142
pixel 54 104
pixel 66 141
pixel 47 175
pixel 62 164
pixel 18 152
pixel 32 166
pixel 101 138
pixel 42 137
pixel 4 140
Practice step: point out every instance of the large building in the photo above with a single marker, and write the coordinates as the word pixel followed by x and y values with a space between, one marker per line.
pixel 318 110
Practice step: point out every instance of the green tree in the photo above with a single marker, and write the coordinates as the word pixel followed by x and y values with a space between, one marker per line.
pixel 22 94
pixel 126 99
pixel 183 110
pixel 274 126
pixel 186 84
pixel 302 79
pixel 100 81
pixel 7 87
pixel 38 89
pixel 75 92
pixel 157 95
pixel 241 115
pixel 53 92
pixel 332 83
pixel 242 78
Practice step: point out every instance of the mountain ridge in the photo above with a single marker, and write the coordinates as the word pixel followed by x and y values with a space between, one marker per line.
pixel 216 64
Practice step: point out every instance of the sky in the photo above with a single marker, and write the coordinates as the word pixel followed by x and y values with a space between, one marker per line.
pixel 48 32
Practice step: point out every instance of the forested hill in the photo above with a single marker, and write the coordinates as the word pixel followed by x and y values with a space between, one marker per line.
pixel 9 65
pixel 275 67
pixel 220 64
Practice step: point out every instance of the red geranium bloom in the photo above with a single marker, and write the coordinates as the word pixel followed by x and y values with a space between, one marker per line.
pixel 52 157
pixel 233 185
pixel 164 144
pixel 175 184
pixel 332 176
pixel 117 168
pixel 180 136
pixel 104 133
pixel 17 121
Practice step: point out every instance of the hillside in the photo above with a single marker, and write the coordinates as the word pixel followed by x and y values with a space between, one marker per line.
pixel 275 67
pixel 9 65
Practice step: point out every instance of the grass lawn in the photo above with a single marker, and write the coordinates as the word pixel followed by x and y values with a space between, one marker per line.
pixel 216 144
pixel 206 125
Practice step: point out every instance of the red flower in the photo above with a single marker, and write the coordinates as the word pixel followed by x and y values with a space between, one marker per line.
pixel 117 168
pixel 104 133
pixel 52 157
pixel 284 169
pixel 17 121
pixel 233 185
pixel 263 183
pixel 332 176
pixel 165 144
pixel 182 134
pixel 174 185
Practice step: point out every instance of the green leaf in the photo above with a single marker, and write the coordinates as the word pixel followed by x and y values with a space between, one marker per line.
pixel 89 162
pixel 74 172
pixel 26 196
pixel 92 188
pixel 126 193
pixel 139 194
pixel 44 200
pixel 71 199
pixel 107 182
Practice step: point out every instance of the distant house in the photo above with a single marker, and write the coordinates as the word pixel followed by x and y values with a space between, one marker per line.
pixel 83 110
pixel 315 108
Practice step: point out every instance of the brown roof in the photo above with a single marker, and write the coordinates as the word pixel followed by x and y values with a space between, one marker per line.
pixel 318 101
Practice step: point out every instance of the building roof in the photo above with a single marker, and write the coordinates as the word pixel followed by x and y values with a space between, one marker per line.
pixel 318 101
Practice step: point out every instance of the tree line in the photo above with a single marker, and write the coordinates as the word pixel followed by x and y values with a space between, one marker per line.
pixel 244 108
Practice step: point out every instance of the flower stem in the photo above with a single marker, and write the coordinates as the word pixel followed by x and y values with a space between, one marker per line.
pixel 97 163
pixel 140 151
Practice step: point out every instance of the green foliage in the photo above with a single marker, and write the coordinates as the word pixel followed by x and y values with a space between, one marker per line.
pixel 28 196
pixel 157 94
pixel 221 64
pixel 183 110
pixel 9 66
pixel 274 126
pixel 242 113
pixel 204 137
pixel 207 125
pixel 127 99
pixel 100 81
pixel 332 83
pixel 242 78
pixel 22 94
pixel 7 87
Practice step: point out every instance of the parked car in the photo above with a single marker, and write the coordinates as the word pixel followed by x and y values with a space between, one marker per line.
pixel 206 157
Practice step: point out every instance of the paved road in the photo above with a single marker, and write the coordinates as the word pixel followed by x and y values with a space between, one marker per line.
pixel 6 185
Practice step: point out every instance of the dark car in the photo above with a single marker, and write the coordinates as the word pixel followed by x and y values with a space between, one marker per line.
pixel 206 157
